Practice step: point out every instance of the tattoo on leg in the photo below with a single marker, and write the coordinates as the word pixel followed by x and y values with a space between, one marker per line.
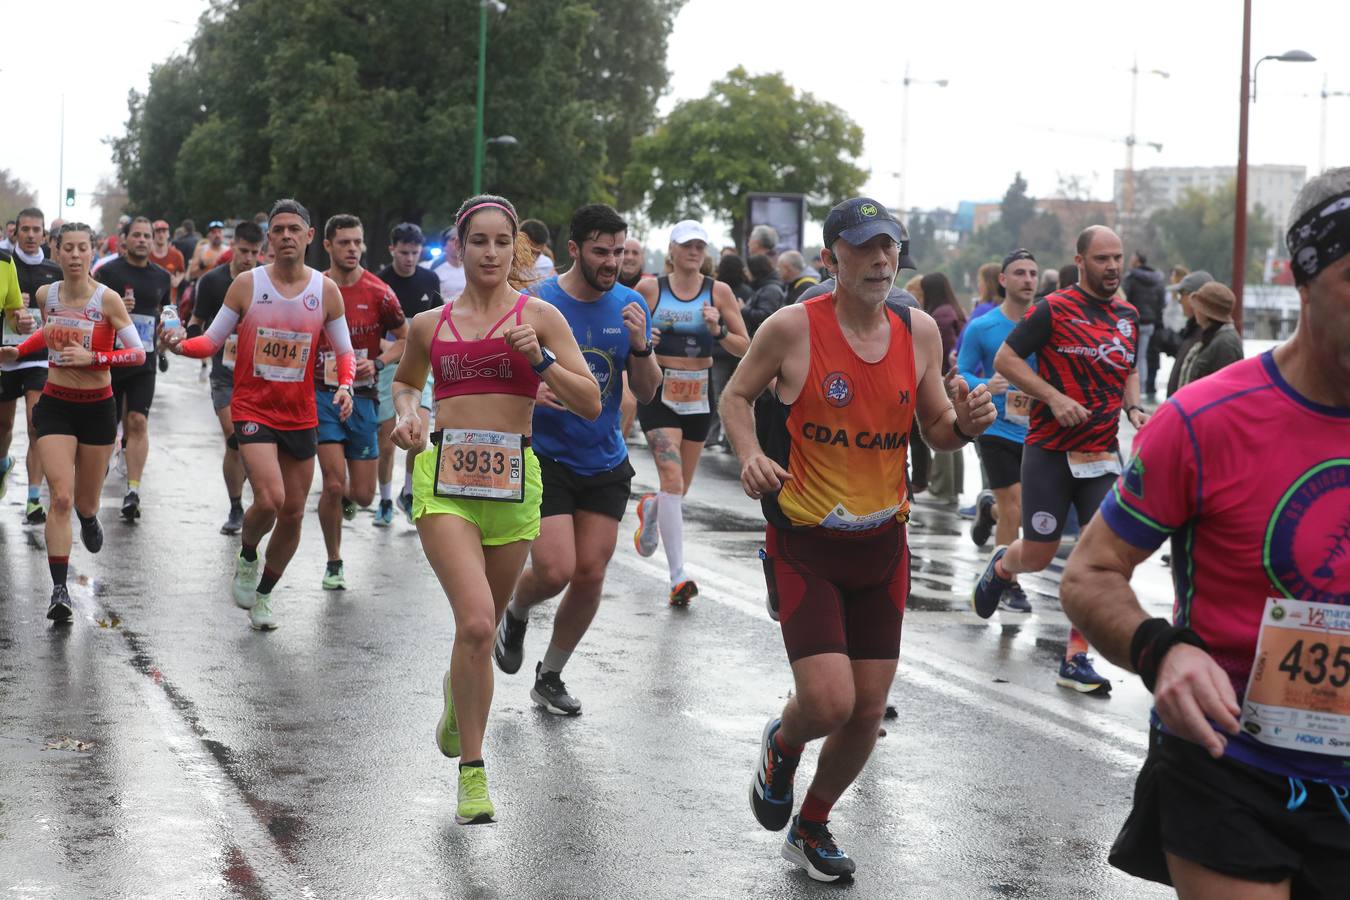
pixel 663 449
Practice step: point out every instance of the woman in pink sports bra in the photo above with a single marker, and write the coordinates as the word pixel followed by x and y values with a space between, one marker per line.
pixel 476 488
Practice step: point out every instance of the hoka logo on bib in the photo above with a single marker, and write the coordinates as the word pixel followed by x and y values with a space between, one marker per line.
pixel 1307 549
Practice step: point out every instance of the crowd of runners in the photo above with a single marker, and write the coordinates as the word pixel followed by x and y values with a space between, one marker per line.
pixel 509 387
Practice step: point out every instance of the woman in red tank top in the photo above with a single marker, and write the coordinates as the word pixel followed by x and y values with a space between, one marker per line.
pixel 75 419
pixel 476 490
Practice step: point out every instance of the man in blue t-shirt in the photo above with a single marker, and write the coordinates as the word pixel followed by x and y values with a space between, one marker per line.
pixel 1000 446
pixel 584 464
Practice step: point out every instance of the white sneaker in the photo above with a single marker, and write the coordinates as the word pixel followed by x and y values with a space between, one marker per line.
pixel 245 582
pixel 260 616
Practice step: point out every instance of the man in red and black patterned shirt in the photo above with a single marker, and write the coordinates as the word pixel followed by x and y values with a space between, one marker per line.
pixel 1085 340
pixel 349 449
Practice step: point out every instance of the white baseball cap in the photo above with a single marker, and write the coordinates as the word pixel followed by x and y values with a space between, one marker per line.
pixel 687 231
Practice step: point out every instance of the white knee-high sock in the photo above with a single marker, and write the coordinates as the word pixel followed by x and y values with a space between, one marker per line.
pixel 386 490
pixel 670 519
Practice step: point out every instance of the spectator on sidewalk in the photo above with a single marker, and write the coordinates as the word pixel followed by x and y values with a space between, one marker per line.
pixel 1218 343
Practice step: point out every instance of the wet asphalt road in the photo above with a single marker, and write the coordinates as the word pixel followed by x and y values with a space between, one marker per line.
pixel 219 762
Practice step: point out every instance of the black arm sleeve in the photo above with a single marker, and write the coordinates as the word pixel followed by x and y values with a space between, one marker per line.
pixel 1033 332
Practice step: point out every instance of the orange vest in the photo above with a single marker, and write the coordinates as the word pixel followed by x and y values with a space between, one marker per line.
pixel 845 439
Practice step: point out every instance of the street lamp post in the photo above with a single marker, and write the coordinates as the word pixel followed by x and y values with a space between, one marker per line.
pixel 500 7
pixel 1240 198
pixel 904 129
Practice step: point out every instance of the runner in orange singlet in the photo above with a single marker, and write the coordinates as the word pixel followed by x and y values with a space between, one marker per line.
pixel 829 465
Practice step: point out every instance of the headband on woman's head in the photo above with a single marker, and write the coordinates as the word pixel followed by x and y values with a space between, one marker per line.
pixel 1320 237
pixel 477 206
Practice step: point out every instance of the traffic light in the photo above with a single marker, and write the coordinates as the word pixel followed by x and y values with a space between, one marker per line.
pixel 70 196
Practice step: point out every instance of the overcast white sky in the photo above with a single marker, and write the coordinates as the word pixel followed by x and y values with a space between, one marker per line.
pixel 1042 86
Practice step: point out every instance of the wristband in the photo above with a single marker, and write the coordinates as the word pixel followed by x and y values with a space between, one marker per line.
pixel 965 438
pixel 379 364
pixel 1131 408
pixel 643 353
pixel 1151 641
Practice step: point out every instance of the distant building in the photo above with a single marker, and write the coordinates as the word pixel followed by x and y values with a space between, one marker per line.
pixel 1273 188
pixel 1073 215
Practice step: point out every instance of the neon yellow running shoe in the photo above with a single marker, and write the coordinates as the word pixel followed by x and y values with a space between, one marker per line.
pixel 447 729
pixel 334 579
pixel 474 806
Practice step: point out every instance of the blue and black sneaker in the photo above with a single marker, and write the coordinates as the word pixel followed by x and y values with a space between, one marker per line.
pixel 989 589
pixel 811 846
pixel 1014 599
pixel 771 785
pixel 1077 673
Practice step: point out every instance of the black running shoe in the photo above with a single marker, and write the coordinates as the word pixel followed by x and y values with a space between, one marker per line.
pixel 34 514
pixel 811 846
pixel 1014 599
pixel 61 608
pixel 509 648
pixel 771 784
pixel 983 525
pixel 91 535
pixel 235 523
pixel 131 506
pixel 550 693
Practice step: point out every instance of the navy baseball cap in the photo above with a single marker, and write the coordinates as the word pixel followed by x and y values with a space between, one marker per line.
pixel 860 219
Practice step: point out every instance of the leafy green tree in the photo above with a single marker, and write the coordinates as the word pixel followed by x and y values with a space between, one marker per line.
pixel 159 122
pixel 750 133
pixel 370 108
pixel 1198 233
pixel 1018 225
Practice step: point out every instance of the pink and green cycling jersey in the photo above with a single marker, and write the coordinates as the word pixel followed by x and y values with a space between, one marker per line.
pixel 1251 482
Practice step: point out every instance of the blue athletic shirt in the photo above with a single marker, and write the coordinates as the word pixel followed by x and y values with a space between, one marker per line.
pixel 979 345
pixel 585 447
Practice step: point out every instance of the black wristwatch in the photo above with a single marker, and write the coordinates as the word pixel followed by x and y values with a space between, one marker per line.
pixel 380 364
pixel 1133 407
pixel 643 353
pixel 723 333
pixel 956 429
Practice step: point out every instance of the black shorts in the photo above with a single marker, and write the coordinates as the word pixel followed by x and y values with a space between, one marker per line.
pixel 14 385
pixel 838 592
pixel 1002 460
pixel 89 423
pixel 1049 489
pixel 1234 819
pixel 565 491
pixel 657 415
pixel 136 389
pixel 301 444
